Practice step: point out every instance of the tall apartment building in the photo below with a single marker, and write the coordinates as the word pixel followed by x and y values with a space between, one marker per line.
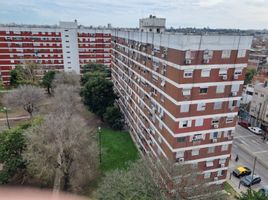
pixel 180 94
pixel 65 47
pixel 259 106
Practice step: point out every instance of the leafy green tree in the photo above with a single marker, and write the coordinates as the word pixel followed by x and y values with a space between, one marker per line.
pixel 252 195
pixel 12 145
pixel 114 117
pixel 47 80
pixel 249 76
pixel 98 94
pixel 24 74
pixel 93 70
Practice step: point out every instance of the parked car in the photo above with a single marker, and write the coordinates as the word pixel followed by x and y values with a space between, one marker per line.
pixel 256 130
pixel 244 124
pixel 264 190
pixel 249 180
pixel 241 171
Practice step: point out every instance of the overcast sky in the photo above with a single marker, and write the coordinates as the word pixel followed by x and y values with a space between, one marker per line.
pixel 244 14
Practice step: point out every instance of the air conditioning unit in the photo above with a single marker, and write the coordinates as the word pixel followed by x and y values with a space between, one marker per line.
pixel 151 93
pixel 224 77
pixel 222 165
pixel 215 125
pixel 216 178
pixel 180 160
pixel 143 62
pixel 188 61
pixel 235 76
pixel 153 53
pixel 233 94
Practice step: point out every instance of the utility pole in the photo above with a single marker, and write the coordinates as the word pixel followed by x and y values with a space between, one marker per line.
pixel 99 131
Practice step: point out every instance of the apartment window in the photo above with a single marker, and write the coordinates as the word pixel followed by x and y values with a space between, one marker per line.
pixel 188 74
pixel 69 62
pixel 199 122
pixel 207 175
pixel 203 90
pixel 262 95
pixel 162 97
pixel 205 73
pixel 180 154
pixel 220 173
pixel 195 152
pixel 181 139
pixel 222 160
pixel 223 72
pixel 214 135
pixel 241 53
pixel 67 41
pixel 66 35
pixel 211 149
pixel 220 89
pixel 209 163
pixel 12 61
pixel 197 137
pixel 217 105
pixel 238 72
pixel 186 91
pixel 185 123
pixel 67 47
pixel 201 106
pixel 185 107
pixel 226 54
pixel 224 147
pixel 229 119
pixel 235 87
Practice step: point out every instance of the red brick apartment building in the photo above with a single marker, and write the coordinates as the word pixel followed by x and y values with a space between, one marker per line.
pixel 65 47
pixel 180 94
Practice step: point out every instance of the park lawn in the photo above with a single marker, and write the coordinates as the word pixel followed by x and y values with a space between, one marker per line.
pixel 118 149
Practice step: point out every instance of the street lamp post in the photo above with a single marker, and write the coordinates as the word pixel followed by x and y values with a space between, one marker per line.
pixel 4 109
pixel 99 131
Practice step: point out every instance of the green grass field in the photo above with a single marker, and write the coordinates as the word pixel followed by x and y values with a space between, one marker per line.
pixel 118 149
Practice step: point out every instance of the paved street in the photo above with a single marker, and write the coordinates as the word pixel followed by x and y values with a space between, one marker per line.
pixel 248 145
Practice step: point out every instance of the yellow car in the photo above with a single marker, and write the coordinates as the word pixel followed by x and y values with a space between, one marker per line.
pixel 241 171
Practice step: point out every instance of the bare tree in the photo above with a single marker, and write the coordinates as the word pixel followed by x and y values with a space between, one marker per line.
pixel 67 78
pixel 26 96
pixel 62 151
pixel 135 182
pixel 151 179
pixel 66 99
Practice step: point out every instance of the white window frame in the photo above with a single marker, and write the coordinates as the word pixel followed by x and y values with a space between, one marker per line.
pixel 207 175
pixel 209 163
pixel 241 53
pixel 186 91
pixel 220 89
pixel 201 106
pixel 205 73
pixel 217 105
pixel 195 152
pixel 211 149
pixel 199 122
pixel 224 147
pixel 184 108
pixel 226 54
pixel 188 74
pixel 223 72
pixel 188 123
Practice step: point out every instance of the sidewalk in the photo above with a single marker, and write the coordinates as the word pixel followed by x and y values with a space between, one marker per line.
pixel 15 118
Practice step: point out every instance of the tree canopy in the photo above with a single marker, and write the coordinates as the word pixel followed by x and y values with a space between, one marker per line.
pixel 98 94
pixel 249 76
pixel 47 80
pixel 114 117
pixel 252 195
